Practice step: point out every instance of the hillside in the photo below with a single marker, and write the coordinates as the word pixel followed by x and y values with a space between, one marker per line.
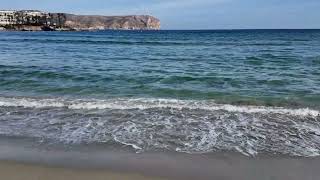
pixel 32 20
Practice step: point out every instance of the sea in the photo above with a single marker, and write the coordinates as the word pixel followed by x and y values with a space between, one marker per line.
pixel 250 92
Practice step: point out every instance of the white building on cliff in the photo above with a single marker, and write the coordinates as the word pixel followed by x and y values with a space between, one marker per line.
pixel 10 17
pixel 7 17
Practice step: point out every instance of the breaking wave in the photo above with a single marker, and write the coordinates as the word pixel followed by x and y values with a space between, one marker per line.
pixel 145 103
pixel 189 126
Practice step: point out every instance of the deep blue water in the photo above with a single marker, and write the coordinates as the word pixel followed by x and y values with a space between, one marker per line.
pixel 250 91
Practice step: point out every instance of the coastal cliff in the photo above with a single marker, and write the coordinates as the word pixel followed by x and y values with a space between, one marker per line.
pixel 32 20
pixel 111 22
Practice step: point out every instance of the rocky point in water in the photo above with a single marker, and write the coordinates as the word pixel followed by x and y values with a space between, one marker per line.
pixel 32 20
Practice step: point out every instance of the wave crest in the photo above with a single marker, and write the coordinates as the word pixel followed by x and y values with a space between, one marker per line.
pixel 144 103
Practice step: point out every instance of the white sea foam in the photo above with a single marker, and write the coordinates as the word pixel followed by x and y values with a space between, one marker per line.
pixel 180 125
pixel 144 103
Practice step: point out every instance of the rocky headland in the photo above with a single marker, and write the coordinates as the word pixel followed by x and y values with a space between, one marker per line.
pixel 31 20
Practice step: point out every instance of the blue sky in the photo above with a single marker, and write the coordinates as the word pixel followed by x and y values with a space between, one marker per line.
pixel 193 14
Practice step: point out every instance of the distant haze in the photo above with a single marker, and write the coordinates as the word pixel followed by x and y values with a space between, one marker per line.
pixel 193 14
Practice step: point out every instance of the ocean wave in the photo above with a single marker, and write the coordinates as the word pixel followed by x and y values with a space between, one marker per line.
pixel 145 124
pixel 149 103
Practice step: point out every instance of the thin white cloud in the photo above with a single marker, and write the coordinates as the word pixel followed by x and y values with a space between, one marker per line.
pixel 185 3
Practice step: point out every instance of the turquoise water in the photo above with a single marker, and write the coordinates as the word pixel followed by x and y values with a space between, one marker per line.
pixel 251 91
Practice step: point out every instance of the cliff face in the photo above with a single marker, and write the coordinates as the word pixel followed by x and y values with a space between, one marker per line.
pixel 36 20
pixel 111 22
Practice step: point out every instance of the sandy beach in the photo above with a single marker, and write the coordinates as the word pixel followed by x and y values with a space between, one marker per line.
pixel 18 171
pixel 218 168
pixel 28 161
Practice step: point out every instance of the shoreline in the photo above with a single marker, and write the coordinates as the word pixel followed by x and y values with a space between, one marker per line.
pixel 39 29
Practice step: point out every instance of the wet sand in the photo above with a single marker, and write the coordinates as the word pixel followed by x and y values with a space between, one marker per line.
pixel 217 169
pixel 16 171
pixel 21 160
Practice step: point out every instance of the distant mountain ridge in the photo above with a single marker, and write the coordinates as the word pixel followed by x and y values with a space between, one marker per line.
pixel 33 20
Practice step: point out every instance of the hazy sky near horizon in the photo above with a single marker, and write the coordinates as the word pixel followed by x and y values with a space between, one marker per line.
pixel 193 14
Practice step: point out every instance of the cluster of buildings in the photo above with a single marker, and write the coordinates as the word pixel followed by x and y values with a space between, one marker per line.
pixel 32 17
pixel 7 17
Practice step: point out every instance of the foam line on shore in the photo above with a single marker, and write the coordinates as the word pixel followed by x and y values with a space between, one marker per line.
pixel 145 103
